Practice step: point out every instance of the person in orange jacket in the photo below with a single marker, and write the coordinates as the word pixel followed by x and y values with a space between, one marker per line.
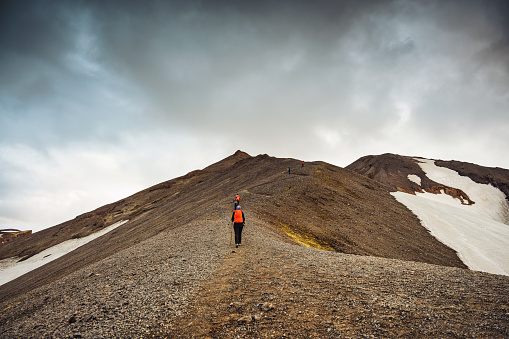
pixel 238 220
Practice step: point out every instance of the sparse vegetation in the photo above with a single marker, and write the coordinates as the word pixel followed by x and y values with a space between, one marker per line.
pixel 303 238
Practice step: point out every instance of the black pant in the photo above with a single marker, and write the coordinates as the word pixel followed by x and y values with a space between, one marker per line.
pixel 238 232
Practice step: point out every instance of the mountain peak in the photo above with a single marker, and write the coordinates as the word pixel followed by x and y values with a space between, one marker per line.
pixel 241 154
pixel 228 161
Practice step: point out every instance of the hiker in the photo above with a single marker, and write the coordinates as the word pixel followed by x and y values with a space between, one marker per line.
pixel 238 224
pixel 302 164
pixel 288 170
pixel 236 201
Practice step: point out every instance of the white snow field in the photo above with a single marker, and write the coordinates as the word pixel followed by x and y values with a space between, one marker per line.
pixel 478 232
pixel 10 268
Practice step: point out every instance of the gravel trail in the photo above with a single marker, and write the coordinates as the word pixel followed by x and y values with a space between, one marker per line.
pixel 190 282
pixel 272 288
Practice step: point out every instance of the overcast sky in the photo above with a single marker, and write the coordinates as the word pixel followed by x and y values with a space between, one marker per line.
pixel 101 99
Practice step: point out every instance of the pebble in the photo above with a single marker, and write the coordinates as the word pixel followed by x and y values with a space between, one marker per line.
pixel 246 319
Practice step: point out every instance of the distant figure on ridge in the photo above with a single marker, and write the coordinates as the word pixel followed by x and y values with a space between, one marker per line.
pixel 236 201
pixel 238 220
pixel 288 170
pixel 302 164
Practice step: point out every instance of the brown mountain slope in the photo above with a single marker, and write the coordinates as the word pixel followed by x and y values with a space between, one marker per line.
pixel 347 212
pixel 180 194
pixel 318 204
pixel 391 170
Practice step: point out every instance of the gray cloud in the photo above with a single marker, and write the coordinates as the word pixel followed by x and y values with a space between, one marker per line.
pixel 165 87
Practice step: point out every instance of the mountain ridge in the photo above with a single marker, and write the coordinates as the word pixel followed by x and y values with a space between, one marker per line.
pixel 301 203
pixel 139 278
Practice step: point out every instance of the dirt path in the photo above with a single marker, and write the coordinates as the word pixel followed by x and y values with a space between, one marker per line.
pixel 251 294
pixel 269 288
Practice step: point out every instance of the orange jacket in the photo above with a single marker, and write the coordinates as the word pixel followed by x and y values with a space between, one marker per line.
pixel 237 197
pixel 238 217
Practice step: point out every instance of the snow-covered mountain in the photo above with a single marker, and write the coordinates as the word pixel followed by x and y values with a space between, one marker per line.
pixel 472 217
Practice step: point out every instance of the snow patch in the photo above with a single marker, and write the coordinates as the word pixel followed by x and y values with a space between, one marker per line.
pixel 414 178
pixel 482 243
pixel 11 269
pixel 479 233
pixel 489 201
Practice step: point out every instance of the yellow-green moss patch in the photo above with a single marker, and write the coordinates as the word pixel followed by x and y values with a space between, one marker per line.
pixel 304 239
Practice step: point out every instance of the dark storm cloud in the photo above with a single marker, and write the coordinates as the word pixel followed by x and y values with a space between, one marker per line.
pixel 70 68
pixel 197 64
pixel 209 61
pixel 51 88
